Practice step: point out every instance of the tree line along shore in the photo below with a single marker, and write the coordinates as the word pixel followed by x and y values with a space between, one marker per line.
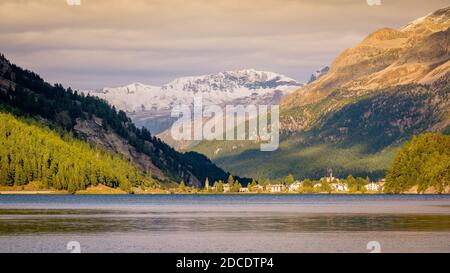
pixel 35 159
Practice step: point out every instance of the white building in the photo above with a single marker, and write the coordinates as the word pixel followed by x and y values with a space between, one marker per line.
pixel 338 186
pixel 243 190
pixel 226 188
pixel 373 186
pixel 277 188
pixel 257 188
pixel 294 187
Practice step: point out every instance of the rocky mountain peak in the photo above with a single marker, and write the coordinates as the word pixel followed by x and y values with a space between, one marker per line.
pixel 230 81
pixel 417 53
pixel 318 74
pixel 433 22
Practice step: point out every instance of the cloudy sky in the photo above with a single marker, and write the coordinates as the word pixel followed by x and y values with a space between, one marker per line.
pixel 116 42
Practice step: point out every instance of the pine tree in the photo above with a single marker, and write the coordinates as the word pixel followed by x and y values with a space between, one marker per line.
pixel 325 186
pixel 3 170
pixel 236 186
pixel 351 181
pixel 17 175
pixel 219 186
pixel 230 181
pixel 182 186
pixel 289 180
pixel 252 185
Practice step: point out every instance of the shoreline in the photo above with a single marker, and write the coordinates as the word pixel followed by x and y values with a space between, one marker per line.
pixel 28 192
pixel 33 189
pixel 50 192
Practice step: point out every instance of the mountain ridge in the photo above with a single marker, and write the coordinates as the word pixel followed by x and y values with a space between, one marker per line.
pixel 235 81
pixel 392 85
pixel 382 52
pixel 150 106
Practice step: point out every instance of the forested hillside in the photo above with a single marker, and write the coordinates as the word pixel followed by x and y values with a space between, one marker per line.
pixel 423 162
pixel 31 152
pixel 95 121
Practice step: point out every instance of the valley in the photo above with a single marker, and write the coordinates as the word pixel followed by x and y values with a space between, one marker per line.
pixel 391 86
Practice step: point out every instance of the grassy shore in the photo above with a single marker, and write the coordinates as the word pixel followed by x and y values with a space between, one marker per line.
pixel 31 188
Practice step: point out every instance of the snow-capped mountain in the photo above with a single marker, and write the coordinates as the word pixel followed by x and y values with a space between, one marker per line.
pixel 150 106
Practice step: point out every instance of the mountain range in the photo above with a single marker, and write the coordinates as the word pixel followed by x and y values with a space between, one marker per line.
pixel 392 85
pixel 151 106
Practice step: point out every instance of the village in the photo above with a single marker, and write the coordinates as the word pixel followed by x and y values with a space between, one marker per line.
pixel 328 184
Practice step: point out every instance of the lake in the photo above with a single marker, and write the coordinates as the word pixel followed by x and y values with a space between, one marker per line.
pixel 225 223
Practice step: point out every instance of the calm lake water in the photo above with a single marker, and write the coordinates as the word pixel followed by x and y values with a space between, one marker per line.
pixel 224 223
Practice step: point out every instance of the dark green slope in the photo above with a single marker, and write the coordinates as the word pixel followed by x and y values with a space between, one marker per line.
pixel 358 138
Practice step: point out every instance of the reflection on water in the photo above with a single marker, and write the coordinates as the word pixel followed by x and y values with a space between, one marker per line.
pixel 224 223
pixel 62 221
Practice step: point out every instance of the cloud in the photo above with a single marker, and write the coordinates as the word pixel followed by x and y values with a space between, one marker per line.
pixel 114 42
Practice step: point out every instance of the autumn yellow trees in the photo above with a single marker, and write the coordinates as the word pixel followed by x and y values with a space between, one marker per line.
pixel 423 162
pixel 31 152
